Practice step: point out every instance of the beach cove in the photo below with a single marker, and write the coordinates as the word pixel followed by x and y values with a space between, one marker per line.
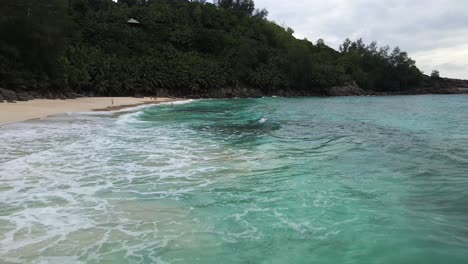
pixel 267 180
pixel 41 108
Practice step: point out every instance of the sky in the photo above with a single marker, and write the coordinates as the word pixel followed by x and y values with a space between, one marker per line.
pixel 433 32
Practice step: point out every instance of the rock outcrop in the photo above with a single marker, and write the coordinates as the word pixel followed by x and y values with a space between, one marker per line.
pixel 8 95
pixel 225 92
pixel 231 92
pixel 348 89
pixel 436 90
pixel 442 83
pixel 440 86
pixel 24 96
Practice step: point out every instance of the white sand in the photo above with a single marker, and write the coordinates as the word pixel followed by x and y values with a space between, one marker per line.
pixel 41 108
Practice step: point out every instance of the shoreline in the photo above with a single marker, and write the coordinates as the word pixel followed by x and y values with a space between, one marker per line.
pixel 42 108
pixel 38 109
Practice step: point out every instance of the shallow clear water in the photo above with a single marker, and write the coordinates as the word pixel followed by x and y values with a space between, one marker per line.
pixel 273 180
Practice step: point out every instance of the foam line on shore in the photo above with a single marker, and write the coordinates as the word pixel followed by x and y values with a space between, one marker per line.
pixel 43 108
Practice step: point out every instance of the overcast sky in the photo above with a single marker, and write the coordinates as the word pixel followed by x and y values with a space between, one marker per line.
pixel 433 32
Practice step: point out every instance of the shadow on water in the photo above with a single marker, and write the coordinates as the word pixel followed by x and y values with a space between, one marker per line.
pixel 230 121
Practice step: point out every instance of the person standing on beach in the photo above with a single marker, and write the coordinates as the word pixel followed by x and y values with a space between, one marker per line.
pixel 112 101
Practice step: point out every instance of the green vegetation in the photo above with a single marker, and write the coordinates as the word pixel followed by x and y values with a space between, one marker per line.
pixel 184 47
pixel 435 74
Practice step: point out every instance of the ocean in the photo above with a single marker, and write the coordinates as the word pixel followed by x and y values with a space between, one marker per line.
pixel 268 180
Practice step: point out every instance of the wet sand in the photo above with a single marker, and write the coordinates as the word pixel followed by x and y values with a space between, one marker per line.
pixel 41 108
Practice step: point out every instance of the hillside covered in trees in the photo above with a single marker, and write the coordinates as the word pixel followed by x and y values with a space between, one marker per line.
pixel 179 48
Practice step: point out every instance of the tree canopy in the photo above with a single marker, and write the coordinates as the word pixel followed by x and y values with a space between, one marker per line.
pixel 182 46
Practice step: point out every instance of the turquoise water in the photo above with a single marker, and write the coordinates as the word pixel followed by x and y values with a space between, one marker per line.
pixel 272 180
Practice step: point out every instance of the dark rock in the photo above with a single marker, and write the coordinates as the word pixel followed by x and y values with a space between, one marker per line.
pixel 11 101
pixel 35 94
pixel 436 90
pixel 348 89
pixel 24 96
pixel 1 98
pixel 8 94
pixel 255 93
pixel 440 86
pixel 463 90
pixel 50 96
pixel 71 95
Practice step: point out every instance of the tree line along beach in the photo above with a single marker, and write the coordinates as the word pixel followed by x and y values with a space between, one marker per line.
pixel 187 49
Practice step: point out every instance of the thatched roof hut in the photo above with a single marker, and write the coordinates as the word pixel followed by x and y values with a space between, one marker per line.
pixel 133 22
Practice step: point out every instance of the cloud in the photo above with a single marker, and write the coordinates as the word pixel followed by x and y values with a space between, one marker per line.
pixel 451 60
pixel 434 32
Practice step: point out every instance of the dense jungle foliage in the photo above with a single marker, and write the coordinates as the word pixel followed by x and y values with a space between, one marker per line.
pixel 182 46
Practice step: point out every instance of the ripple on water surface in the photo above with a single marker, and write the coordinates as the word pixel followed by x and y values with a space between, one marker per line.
pixel 272 180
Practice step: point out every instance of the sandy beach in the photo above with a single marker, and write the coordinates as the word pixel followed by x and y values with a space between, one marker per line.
pixel 41 108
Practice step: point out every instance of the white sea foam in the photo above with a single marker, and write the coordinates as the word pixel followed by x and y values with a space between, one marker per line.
pixel 135 112
pixel 123 110
pixel 181 102
pixel 92 182
pixel 134 108
pixel 129 118
pixel 105 188
pixel 130 109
